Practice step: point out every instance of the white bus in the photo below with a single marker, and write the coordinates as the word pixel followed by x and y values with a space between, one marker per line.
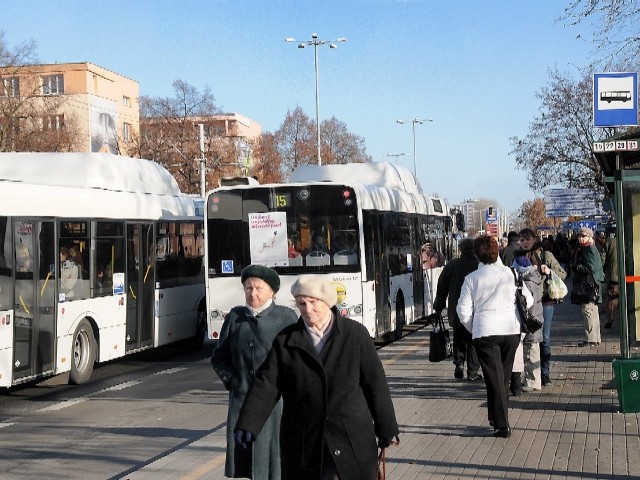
pixel 366 226
pixel 100 256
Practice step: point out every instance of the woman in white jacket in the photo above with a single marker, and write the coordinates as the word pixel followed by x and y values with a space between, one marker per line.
pixel 487 309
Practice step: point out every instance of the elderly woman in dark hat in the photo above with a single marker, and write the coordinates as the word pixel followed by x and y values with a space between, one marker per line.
pixel 335 393
pixel 244 343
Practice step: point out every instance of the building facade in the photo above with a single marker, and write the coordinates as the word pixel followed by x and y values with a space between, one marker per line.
pixel 101 105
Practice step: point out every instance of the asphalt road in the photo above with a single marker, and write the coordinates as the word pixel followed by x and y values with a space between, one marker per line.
pixel 134 411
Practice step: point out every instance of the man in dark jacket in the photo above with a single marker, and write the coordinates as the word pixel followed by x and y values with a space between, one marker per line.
pixel 509 253
pixel 449 285
pixel 335 395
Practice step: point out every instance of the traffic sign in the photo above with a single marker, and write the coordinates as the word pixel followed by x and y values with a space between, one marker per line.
pixel 615 99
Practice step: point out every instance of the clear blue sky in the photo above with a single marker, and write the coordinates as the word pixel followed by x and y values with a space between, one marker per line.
pixel 472 66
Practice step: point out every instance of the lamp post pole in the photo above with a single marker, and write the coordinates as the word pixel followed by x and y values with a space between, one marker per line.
pixel 413 122
pixel 316 42
pixel 396 155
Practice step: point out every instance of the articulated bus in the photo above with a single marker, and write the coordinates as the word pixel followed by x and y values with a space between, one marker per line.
pixel 100 256
pixel 367 227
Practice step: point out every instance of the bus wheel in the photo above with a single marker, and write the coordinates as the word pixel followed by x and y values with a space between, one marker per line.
pixel 83 353
pixel 400 318
pixel 201 331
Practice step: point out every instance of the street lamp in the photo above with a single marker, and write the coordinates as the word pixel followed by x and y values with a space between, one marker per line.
pixel 413 122
pixel 316 42
pixel 396 155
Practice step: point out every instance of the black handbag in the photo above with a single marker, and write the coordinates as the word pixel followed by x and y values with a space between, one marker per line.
pixel 440 346
pixel 586 290
pixel 528 323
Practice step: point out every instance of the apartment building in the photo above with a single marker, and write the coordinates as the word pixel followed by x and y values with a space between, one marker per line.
pixel 102 105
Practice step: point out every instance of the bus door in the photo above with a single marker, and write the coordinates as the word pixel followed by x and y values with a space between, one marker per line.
pixel 34 297
pixel 140 286
pixel 381 269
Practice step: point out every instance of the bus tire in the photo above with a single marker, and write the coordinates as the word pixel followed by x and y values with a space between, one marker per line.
pixel 201 331
pixel 400 318
pixel 83 354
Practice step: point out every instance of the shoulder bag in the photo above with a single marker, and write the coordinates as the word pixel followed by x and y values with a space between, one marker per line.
pixel 440 346
pixel 587 290
pixel 528 323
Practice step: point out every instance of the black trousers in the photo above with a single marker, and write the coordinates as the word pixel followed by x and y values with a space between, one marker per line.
pixel 496 354
pixel 464 350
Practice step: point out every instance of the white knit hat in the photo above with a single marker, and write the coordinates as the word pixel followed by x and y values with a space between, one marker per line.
pixel 317 287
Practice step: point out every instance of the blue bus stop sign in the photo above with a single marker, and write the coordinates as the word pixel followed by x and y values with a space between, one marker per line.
pixel 615 99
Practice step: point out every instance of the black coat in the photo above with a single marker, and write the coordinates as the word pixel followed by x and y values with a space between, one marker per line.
pixel 450 285
pixel 244 344
pixel 338 398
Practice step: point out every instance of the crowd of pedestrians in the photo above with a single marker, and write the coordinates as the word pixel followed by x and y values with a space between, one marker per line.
pixel 308 397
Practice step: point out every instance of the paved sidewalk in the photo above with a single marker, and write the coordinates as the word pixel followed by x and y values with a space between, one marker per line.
pixel 570 430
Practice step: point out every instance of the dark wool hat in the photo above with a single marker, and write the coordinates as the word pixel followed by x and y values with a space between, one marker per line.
pixel 265 273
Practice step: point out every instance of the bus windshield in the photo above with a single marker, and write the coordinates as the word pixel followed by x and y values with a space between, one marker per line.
pixel 296 229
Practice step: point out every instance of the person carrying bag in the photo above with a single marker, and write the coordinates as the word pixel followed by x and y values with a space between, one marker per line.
pixel 440 346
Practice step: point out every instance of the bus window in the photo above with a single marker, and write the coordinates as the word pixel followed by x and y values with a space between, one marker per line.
pixel 74 260
pixel 109 257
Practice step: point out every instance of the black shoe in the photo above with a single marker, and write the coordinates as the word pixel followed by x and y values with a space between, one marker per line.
pixel 503 432
pixel 459 373
pixel 474 377
pixel 546 380
pixel 588 344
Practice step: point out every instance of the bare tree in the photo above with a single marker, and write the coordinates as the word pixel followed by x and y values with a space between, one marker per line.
pixel 339 145
pixel 557 149
pixel 268 169
pixel 533 214
pixel 28 120
pixel 296 141
pixel 617 34
pixel 169 134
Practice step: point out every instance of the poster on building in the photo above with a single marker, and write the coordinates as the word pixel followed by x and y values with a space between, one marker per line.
pixel 103 121
pixel 268 239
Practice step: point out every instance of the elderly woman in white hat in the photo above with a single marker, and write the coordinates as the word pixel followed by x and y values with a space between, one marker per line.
pixel 244 343
pixel 336 399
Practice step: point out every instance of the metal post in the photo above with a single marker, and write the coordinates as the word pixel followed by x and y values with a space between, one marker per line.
pixel 415 168
pixel 622 284
pixel 203 164
pixel 316 42
pixel 315 46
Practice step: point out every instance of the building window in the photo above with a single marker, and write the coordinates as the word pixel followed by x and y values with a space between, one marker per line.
pixel 53 122
pixel 53 85
pixel 126 132
pixel 126 101
pixel 10 87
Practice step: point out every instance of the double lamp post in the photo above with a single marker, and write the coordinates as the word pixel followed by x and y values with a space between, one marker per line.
pixel 316 42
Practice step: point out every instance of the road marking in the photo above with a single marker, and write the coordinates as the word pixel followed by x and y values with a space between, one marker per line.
pixel 418 346
pixel 61 405
pixel 204 469
pixel 170 370
pixel 120 386
pixel 6 424
pixel 74 401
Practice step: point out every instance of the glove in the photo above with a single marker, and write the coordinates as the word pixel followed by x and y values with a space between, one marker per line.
pixel 244 438
pixel 385 442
